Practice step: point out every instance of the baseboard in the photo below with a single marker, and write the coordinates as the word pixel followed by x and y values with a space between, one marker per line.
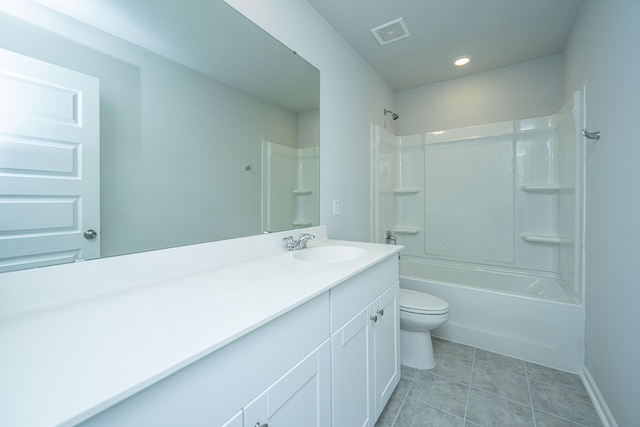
pixel 598 401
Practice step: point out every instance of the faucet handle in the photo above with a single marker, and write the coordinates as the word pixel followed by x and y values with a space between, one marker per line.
pixel 389 238
pixel 289 243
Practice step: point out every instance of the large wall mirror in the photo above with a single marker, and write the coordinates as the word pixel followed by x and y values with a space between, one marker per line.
pixel 209 127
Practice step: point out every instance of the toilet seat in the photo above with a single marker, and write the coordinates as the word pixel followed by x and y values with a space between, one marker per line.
pixel 420 303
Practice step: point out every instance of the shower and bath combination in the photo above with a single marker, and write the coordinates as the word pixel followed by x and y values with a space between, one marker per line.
pixel 514 283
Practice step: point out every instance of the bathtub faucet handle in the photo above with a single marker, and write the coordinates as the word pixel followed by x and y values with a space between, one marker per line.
pixel 389 238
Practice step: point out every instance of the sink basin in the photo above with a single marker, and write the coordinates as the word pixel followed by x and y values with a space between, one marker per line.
pixel 329 254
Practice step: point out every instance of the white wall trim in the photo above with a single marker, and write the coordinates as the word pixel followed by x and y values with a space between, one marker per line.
pixel 598 400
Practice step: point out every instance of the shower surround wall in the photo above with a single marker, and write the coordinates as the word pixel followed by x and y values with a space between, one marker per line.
pixel 500 206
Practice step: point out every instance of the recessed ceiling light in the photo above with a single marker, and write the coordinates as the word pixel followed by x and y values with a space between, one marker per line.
pixel 462 60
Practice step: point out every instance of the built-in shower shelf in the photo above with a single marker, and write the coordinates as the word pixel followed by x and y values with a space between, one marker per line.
pixel 406 191
pixel 406 230
pixel 540 238
pixel 541 188
pixel 302 223
pixel 302 191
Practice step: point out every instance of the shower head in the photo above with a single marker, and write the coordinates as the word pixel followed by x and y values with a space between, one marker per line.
pixel 394 116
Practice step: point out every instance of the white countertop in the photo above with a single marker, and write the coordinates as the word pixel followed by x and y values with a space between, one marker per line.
pixel 65 360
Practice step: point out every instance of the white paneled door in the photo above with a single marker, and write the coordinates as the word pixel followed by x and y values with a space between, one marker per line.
pixel 49 164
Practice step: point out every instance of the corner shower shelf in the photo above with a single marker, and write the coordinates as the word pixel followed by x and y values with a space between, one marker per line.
pixel 302 191
pixel 540 238
pixel 406 230
pixel 302 223
pixel 405 191
pixel 541 188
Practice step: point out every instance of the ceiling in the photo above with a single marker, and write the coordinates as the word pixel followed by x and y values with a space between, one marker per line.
pixel 495 33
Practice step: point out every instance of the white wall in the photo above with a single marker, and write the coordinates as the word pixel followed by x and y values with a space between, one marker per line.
pixel 530 89
pixel 352 96
pixel 602 53
pixel 309 129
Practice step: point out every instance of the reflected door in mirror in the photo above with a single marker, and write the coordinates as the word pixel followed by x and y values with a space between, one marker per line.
pixel 49 163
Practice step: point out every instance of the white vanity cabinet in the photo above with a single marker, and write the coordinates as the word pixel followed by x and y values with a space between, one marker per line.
pixel 365 343
pixel 386 339
pixel 331 361
pixel 352 358
pixel 280 372
pixel 235 333
pixel 301 397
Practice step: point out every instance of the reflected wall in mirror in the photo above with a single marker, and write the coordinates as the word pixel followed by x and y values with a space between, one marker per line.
pixel 191 92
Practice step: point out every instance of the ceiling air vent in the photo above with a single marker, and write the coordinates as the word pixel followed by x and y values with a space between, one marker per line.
pixel 391 32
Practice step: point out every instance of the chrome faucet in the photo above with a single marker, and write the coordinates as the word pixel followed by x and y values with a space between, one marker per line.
pixel 389 238
pixel 293 245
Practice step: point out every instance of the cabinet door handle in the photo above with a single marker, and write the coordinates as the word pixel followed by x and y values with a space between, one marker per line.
pixel 374 318
pixel 380 312
pixel 261 425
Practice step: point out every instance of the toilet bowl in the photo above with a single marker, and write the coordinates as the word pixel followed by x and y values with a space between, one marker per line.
pixel 419 314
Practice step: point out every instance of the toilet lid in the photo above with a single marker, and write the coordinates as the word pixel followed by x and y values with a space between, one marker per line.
pixel 419 302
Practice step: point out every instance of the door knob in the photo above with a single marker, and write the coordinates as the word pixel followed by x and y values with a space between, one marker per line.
pixel 90 234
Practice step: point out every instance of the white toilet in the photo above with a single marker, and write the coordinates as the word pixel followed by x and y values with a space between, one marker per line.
pixel 419 314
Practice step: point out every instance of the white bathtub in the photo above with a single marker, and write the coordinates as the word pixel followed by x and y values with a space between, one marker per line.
pixel 531 318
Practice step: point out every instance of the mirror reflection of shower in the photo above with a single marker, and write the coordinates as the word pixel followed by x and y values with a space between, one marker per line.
pixel 290 189
pixel 394 116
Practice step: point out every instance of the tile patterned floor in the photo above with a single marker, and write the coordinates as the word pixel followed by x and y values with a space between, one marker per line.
pixel 470 387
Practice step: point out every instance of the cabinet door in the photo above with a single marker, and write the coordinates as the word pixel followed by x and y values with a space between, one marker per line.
pixel 386 343
pixel 301 397
pixel 352 353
